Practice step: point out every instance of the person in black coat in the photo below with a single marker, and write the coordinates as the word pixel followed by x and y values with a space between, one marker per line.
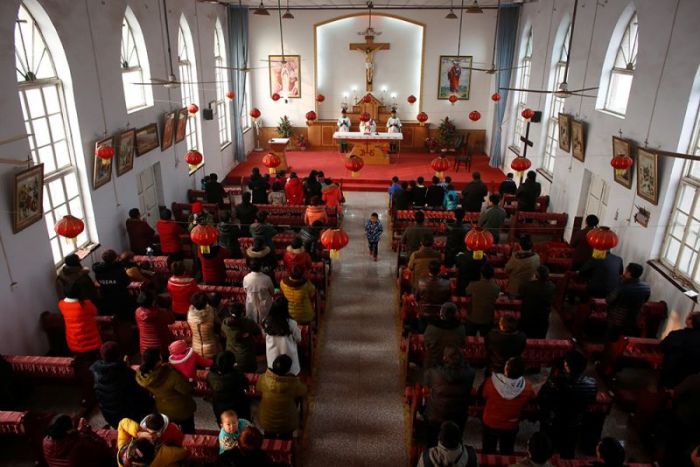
pixel 117 393
pixel 602 275
pixel 507 186
pixel 474 193
pixel 625 302
pixel 681 353
pixel 214 191
pixel 228 386
pixel 435 194
pixel 468 270
pixel 419 192
pixel 455 238
pixel 563 400
pixel 537 297
pixel 401 199
pixel 312 187
pixel 528 192
pixel 258 187
pixel 246 213
pixel 504 343
pixel 115 297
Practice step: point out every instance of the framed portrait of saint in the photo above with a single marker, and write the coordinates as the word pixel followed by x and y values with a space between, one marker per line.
pixel 125 151
pixel 648 175
pixel 102 169
pixel 578 139
pixel 455 76
pixel 168 131
pixel 28 199
pixel 285 75
pixel 181 125
pixel 146 139
pixel 623 146
pixel 564 132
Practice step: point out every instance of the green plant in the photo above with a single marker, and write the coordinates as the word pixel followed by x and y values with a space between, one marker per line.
pixel 284 129
pixel 300 140
pixel 447 134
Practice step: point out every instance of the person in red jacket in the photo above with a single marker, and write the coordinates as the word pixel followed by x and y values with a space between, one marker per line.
pixel 294 189
pixel 181 287
pixel 82 334
pixel 213 267
pixel 152 322
pixel 169 232
pixel 65 446
pixel 297 257
pixel 140 233
pixel 186 361
pixel 505 395
pixel 331 194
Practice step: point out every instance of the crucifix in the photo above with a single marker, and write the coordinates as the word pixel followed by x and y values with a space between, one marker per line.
pixel 526 139
pixel 369 48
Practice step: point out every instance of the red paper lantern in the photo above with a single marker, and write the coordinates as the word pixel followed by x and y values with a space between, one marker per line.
pixel 422 118
pixel 528 114
pixel 474 116
pixel 193 108
pixel 495 97
pixel 439 165
pixel 311 116
pixel 105 153
pixel 193 157
pixel 367 99
pixel 69 227
pixel 601 239
pixel 411 99
pixel 320 98
pixel 520 165
pixel 230 94
pixel 478 240
pixel 204 236
pixel 334 240
pixel 452 99
pixel 354 164
pixel 621 163
pixel 275 97
pixel 271 161
pixel 255 113
pixel 365 117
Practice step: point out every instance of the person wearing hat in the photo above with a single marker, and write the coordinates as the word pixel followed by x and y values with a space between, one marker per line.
pixel 344 125
pixel 393 125
pixel 73 272
pixel 199 216
pixel 185 360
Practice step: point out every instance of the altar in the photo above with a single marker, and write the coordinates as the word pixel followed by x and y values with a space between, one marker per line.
pixel 278 146
pixel 372 148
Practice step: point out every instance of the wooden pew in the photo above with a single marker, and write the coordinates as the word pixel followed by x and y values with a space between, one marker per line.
pixel 541 224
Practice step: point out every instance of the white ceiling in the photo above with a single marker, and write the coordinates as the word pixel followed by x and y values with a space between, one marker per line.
pixel 378 4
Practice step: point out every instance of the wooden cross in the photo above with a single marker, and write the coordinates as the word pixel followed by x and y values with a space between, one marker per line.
pixel 526 139
pixel 369 47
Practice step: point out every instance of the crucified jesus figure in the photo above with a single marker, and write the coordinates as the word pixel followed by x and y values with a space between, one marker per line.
pixel 369 62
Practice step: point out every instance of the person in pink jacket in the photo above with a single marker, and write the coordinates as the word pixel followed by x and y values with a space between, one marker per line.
pixel 186 361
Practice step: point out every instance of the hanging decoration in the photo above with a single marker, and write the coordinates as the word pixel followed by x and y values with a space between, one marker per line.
pixel 601 239
pixel 230 94
pixel 193 108
pixel 104 153
pixel 255 113
pixel 453 98
pixel 204 236
pixel 354 164
pixel 478 240
pixel 411 99
pixel 365 117
pixel 310 116
pixel 193 158
pixel 320 98
pixel 69 227
pixel 334 240
pixel 495 97
pixel 367 99
pixel 520 164
pixel 275 97
pixel 621 163
pixel 528 113
pixel 474 116
pixel 422 118
pixel 271 161
pixel 440 165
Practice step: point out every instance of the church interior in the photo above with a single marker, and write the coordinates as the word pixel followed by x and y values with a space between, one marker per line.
pixel 318 232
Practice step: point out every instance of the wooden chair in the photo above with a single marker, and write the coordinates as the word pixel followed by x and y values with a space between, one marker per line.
pixel 463 155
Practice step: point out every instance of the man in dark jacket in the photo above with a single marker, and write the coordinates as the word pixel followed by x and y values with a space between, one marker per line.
pixel 474 193
pixel 140 233
pixel 229 234
pixel 312 187
pixel 455 237
pixel 433 290
pixel 468 270
pixel 507 186
pixel 537 297
pixel 492 219
pixel 116 299
pixel 528 192
pixel 681 352
pixel 214 191
pixel 246 213
pixel 419 192
pixel 309 236
pixel 262 229
pixel 582 250
pixel 441 332
pixel 258 187
pixel 414 235
pixel 435 194
pixel 625 302
pixel 504 343
pixel 401 199
pixel 71 273
pixel 563 400
pixel 602 275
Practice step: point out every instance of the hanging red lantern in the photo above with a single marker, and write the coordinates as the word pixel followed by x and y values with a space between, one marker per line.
pixel 452 99
pixel 320 98
pixel 422 118
pixel 230 94
pixel 440 165
pixel 520 165
pixel 495 97
pixel 275 97
pixel 104 153
pixel 474 116
pixel 69 227
pixel 255 113
pixel 334 240
pixel 365 117
pixel 478 240
pixel 193 158
pixel 621 163
pixel 367 99
pixel 204 236
pixel 271 161
pixel 411 99
pixel 528 113
pixel 601 239
pixel 310 116
pixel 354 164
pixel 193 108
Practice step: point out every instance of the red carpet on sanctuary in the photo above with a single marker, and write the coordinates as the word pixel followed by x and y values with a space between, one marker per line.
pixel 407 166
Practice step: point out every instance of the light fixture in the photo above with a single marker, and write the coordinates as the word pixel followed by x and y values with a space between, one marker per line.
pixel 474 8
pixel 261 10
pixel 451 14
pixel 288 14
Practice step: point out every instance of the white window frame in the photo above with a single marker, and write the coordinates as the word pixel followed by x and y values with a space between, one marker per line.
pixel 223 107
pixel 134 64
pixel 521 96
pixel 623 69
pixel 556 105
pixel 187 66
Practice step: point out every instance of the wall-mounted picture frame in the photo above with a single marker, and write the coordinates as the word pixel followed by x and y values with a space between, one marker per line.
pixel 648 175
pixel 147 139
pixel 168 134
pixel 285 75
pixel 623 146
pixel 454 76
pixel 565 132
pixel 101 168
pixel 578 139
pixel 125 151
pixel 28 198
pixel 181 125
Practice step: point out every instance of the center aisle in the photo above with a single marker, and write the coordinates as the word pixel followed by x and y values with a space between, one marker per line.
pixel 357 416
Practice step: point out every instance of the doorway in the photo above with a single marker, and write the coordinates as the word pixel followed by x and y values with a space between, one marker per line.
pixel 597 199
pixel 150 194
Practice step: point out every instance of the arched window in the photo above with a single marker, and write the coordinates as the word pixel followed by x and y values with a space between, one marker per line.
pixel 222 80
pixel 523 82
pixel 556 105
pixel 45 117
pixel 622 71
pixel 188 75
pixel 134 64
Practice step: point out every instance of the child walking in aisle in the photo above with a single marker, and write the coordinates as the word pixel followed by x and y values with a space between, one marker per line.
pixel 373 230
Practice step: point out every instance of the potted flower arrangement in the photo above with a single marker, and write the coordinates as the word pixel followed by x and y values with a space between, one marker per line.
pixel 447 135
pixel 300 141
pixel 285 128
pixel 431 144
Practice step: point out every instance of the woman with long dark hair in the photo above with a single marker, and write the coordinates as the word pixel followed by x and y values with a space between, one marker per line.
pixel 281 335
pixel 229 386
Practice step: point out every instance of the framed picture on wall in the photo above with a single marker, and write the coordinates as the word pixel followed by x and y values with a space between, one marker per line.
pixel 28 199
pixel 648 175
pixel 181 125
pixel 578 139
pixel 285 75
pixel 623 146
pixel 168 131
pixel 454 76
pixel 146 139
pixel 564 132
pixel 102 169
pixel 125 151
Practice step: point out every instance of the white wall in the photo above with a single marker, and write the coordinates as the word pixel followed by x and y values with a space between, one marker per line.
pixel 440 39
pixel 29 255
pixel 589 49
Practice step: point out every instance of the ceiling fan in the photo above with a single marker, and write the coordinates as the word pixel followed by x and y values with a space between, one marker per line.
pixel 563 91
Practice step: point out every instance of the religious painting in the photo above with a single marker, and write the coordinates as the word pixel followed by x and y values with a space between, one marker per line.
pixel 102 168
pixel 564 132
pixel 28 199
pixel 125 151
pixel 181 125
pixel 623 146
pixel 455 76
pixel 285 75
pixel 648 175
pixel 146 139
pixel 168 131
pixel 578 140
